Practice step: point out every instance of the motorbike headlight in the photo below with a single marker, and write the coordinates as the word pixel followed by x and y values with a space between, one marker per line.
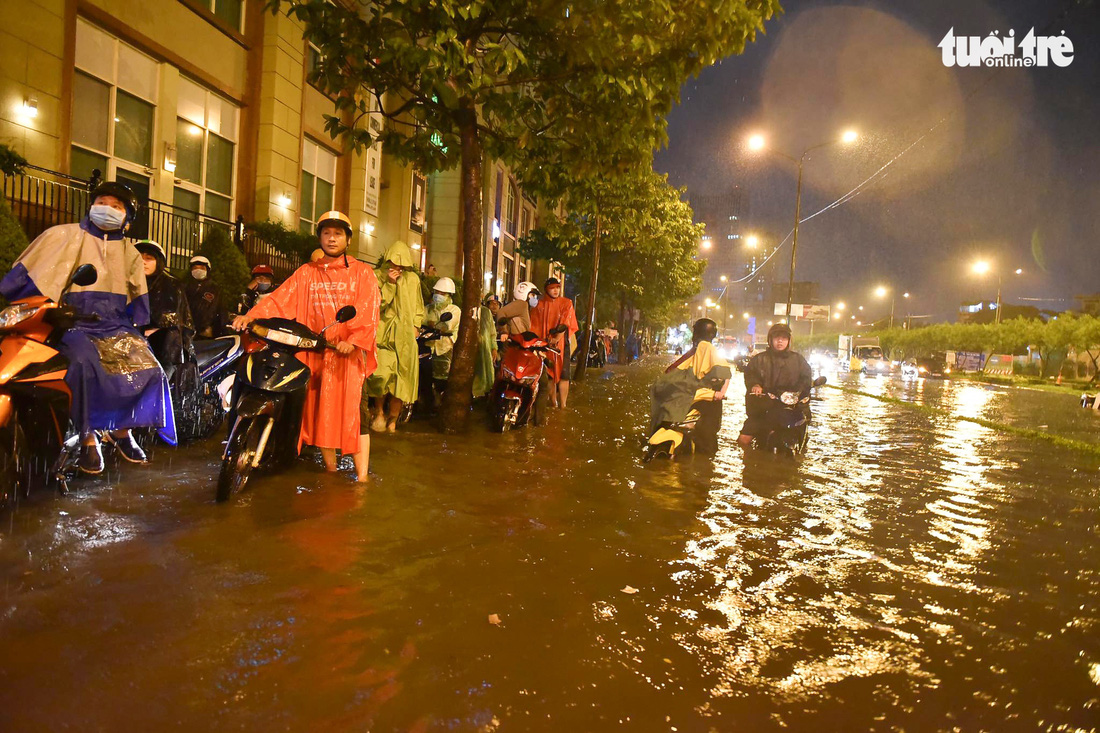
pixel 789 398
pixel 923 370
pixel 16 314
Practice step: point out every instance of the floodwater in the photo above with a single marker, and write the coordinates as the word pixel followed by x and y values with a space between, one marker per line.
pixel 913 572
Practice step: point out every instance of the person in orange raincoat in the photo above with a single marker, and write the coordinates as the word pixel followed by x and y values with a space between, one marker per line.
pixel 311 296
pixel 552 312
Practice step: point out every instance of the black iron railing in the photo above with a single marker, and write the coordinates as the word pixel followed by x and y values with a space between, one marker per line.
pixel 41 198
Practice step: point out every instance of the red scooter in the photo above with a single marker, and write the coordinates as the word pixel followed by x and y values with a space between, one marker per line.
pixel 520 392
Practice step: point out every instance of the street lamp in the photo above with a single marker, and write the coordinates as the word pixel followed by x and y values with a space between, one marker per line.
pixel 757 143
pixel 705 244
pixel 751 241
pixel 982 267
pixel 881 292
pixel 840 306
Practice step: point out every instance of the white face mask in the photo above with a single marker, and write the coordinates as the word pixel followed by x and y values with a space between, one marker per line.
pixel 533 301
pixel 439 298
pixel 199 273
pixel 107 218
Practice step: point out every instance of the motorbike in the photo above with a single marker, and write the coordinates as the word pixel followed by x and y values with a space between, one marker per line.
pixel 199 383
pixel 597 355
pixel 34 398
pixel 519 394
pixel 425 388
pixel 675 439
pixel 787 416
pixel 269 395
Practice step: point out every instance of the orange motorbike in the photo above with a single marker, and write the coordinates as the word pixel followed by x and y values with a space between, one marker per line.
pixel 34 398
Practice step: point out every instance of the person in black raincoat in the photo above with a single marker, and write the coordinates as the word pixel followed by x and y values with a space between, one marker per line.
pixel 263 282
pixel 205 300
pixel 773 372
pixel 170 329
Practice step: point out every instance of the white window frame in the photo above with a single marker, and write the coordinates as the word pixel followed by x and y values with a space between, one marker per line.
pixel 114 163
pixel 306 142
pixel 201 188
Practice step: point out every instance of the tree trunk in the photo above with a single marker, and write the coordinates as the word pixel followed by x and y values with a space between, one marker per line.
pixel 459 395
pixel 590 326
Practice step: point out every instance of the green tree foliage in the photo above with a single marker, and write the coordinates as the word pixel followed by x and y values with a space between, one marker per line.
pixel 554 89
pixel 13 240
pixel 648 245
pixel 228 266
pixel 11 162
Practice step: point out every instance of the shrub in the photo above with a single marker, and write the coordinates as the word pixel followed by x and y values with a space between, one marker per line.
pixel 12 240
pixel 229 268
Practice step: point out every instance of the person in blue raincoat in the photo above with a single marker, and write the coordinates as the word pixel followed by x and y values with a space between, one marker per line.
pixel 115 380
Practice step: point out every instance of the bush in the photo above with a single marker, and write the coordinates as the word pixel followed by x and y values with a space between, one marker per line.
pixel 292 243
pixel 12 240
pixel 229 268
pixel 11 162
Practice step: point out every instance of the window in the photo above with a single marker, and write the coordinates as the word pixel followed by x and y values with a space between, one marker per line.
pixel 313 61
pixel 524 222
pixel 114 108
pixel 510 211
pixel 230 12
pixel 318 184
pixel 206 134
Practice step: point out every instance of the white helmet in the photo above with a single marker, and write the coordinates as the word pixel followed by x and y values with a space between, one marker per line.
pixel 200 260
pixel 522 289
pixel 444 285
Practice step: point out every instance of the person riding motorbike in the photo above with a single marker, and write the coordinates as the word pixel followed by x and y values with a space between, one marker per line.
pixel 402 313
pixel 772 372
pixel 689 384
pixel 115 380
pixel 312 296
pixel 205 300
pixel 442 296
pixel 261 285
pixel 170 328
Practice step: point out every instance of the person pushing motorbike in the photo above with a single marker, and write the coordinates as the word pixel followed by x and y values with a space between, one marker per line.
pixel 312 296
pixel 771 372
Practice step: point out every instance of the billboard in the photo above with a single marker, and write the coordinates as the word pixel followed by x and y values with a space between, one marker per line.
pixel 804 312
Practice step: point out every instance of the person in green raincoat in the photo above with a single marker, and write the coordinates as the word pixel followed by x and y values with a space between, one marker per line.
pixel 485 371
pixel 401 312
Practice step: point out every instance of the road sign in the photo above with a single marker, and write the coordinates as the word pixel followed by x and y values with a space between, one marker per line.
pixel 796 309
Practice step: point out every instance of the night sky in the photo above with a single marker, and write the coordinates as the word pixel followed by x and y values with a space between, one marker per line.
pixel 1006 164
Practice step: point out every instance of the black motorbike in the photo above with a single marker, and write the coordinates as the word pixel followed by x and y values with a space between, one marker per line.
pixel 199 377
pixel 597 355
pixel 269 395
pixel 425 395
pixel 786 417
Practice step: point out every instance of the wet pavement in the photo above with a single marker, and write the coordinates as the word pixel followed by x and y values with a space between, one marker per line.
pixel 913 572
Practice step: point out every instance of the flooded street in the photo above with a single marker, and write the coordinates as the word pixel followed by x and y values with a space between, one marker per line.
pixel 913 573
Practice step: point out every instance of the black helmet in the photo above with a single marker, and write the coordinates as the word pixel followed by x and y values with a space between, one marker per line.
pixel 704 330
pixel 779 329
pixel 121 192
pixel 551 281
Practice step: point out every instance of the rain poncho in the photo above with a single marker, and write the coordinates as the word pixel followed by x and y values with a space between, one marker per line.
pixel 695 377
pixel 442 346
pixel 484 371
pixel 115 381
pixel 170 315
pixel 548 315
pixel 518 316
pixel 311 296
pixel 401 314
pixel 205 300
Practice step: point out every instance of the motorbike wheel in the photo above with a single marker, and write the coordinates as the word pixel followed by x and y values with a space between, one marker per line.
pixel 239 456
pixel 540 410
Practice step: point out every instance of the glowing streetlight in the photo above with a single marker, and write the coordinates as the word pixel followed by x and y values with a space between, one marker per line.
pixel 705 244
pixel 751 241
pixel 980 267
pixel 840 306
pixel 745 316
pixel 861 307
pixel 1019 271
pixel 880 291
pixel 837 316
pixel 756 142
pixel 723 278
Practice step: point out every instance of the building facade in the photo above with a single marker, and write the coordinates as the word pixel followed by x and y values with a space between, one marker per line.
pixel 204 108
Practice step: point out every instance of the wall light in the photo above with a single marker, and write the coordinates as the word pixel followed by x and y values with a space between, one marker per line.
pixel 30 107
pixel 285 201
pixel 368 228
pixel 170 157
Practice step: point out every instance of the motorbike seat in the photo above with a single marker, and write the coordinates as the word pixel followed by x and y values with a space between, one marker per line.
pixel 209 351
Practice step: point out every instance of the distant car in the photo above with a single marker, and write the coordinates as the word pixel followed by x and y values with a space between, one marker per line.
pixel 927 367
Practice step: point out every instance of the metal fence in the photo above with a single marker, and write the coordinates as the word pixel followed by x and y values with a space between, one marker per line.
pixel 41 198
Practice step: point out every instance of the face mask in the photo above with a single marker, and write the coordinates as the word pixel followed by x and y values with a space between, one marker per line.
pixel 533 301
pixel 439 298
pixel 107 218
pixel 199 273
pixel 263 287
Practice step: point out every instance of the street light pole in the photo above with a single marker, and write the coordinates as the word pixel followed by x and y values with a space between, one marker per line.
pixel 794 236
pixel 1000 280
pixel 893 300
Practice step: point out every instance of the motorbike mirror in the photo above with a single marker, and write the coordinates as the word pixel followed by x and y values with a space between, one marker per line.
pixel 85 275
pixel 820 381
pixel 446 317
pixel 345 314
